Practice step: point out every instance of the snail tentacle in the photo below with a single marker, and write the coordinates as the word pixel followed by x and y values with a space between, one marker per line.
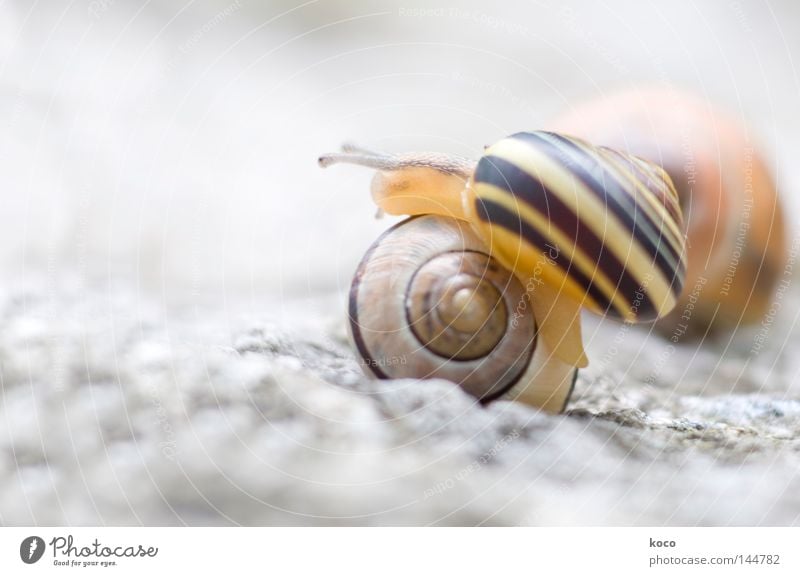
pixel 354 154
pixel 360 158
pixel 412 184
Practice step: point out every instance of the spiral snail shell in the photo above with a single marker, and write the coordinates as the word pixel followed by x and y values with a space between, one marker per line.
pixel 576 225
pixel 428 301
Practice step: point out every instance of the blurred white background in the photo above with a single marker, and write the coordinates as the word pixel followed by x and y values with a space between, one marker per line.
pixel 171 146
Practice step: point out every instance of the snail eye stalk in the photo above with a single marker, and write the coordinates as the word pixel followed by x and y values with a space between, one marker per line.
pixel 412 184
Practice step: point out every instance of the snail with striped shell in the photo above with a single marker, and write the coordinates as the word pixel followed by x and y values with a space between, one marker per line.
pixel 543 222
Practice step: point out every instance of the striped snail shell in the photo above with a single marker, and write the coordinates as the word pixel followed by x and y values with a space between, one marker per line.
pixel 610 223
pixel 428 301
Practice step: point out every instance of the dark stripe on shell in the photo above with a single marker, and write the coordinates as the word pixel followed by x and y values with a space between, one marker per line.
pixel 352 305
pixel 523 186
pixel 498 215
pixel 611 192
pixel 571 389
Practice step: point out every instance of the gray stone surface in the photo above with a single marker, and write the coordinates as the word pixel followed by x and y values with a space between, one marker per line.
pixel 116 412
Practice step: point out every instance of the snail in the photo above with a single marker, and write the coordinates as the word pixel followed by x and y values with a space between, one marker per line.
pixel 733 216
pixel 541 218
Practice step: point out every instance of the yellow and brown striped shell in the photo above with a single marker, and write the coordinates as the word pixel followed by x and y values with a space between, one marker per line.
pixel 602 227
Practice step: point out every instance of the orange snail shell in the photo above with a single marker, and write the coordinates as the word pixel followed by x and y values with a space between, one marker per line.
pixel 732 214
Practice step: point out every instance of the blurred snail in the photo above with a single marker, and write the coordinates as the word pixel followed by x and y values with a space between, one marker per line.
pixel 732 215
pixel 541 219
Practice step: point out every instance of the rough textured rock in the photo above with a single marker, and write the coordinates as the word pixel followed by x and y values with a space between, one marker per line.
pixel 113 411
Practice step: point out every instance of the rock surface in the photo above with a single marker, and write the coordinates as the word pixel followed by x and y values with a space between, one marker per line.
pixel 116 412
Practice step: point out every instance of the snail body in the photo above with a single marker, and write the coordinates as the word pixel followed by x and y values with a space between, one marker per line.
pixel 576 225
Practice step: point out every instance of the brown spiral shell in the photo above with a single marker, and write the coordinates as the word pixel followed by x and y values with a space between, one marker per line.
pixel 427 301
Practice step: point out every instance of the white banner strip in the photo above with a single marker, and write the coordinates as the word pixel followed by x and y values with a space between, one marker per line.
pixel 400 551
